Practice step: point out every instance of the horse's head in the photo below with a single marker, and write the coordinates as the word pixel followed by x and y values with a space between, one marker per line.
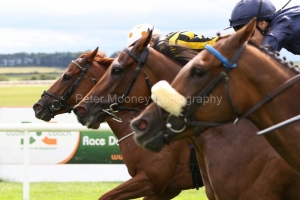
pixel 126 84
pixel 200 82
pixel 80 76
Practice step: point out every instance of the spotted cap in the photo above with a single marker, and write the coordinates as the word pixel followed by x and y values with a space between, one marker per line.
pixel 139 31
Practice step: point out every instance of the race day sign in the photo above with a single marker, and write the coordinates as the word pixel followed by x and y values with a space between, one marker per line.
pixel 61 147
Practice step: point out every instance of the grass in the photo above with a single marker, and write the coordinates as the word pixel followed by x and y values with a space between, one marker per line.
pixel 23 70
pixel 20 96
pixel 75 191
pixel 29 73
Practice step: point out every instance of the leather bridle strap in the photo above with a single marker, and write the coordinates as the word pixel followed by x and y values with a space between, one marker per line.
pixel 75 85
pixel 205 92
pixel 224 74
pixel 115 107
pixel 271 95
pixel 62 101
pixel 141 61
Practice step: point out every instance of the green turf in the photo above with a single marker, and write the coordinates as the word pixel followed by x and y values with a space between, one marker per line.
pixel 18 70
pixel 75 191
pixel 30 73
pixel 20 96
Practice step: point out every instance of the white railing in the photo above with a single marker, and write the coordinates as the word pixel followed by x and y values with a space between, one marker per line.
pixel 31 127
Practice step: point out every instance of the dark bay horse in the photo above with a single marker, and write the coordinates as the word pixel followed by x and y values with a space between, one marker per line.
pixel 234 163
pixel 154 175
pixel 253 84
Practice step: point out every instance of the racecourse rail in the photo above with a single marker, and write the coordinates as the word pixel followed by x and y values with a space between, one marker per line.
pixel 29 127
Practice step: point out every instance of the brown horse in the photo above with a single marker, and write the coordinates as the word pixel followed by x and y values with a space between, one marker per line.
pixel 234 163
pixel 80 76
pixel 261 88
pixel 149 178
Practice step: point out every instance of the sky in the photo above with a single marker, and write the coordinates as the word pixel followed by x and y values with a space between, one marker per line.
pixel 33 26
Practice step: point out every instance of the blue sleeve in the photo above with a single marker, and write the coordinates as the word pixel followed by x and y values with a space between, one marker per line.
pixel 279 35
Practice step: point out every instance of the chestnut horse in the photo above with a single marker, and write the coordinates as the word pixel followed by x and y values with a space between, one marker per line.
pixel 149 178
pixel 262 88
pixel 80 76
pixel 234 163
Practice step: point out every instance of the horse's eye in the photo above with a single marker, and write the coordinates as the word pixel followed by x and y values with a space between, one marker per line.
pixel 66 77
pixel 116 71
pixel 197 72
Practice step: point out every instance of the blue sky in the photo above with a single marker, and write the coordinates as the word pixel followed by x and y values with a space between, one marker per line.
pixel 63 25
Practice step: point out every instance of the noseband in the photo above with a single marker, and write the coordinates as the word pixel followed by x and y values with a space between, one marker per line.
pixel 61 102
pixel 115 107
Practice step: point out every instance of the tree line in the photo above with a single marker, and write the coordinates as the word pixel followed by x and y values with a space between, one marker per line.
pixel 62 59
pixel 38 59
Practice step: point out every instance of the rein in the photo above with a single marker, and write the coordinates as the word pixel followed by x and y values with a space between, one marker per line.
pixel 115 107
pixel 126 136
pixel 61 102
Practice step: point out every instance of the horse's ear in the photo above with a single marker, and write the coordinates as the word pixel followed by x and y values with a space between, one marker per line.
pixel 142 43
pixel 94 53
pixel 90 57
pixel 242 35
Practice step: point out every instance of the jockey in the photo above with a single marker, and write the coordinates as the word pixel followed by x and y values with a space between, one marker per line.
pixel 185 38
pixel 277 30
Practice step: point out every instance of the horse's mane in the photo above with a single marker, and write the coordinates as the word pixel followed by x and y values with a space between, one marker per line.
pixel 99 58
pixel 178 53
pixel 275 56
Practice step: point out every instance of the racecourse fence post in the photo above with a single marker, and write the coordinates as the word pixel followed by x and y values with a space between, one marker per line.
pixel 26 164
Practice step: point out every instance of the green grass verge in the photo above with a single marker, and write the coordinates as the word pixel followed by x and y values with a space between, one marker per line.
pixel 19 70
pixel 75 191
pixel 29 73
pixel 20 96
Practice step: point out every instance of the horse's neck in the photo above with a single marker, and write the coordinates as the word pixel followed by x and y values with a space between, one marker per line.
pixel 162 67
pixel 265 78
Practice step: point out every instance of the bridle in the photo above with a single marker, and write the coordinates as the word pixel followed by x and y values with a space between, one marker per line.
pixel 117 106
pixel 61 102
pixel 188 115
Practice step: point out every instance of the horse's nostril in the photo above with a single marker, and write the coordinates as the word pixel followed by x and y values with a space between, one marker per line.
pixel 37 107
pixel 79 110
pixel 141 124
